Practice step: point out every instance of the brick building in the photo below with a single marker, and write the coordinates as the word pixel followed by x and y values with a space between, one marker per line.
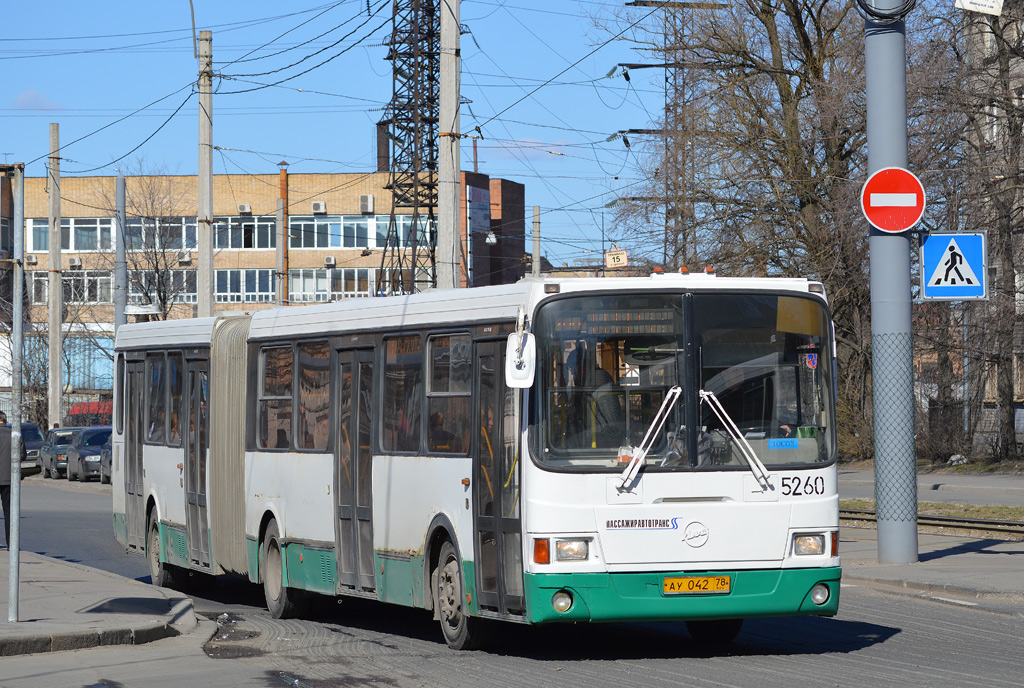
pixel 336 226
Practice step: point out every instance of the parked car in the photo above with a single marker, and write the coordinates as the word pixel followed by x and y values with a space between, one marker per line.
pixel 53 457
pixel 105 462
pixel 84 453
pixel 32 440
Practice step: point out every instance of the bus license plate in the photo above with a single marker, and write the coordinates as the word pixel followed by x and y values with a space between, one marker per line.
pixel 696 585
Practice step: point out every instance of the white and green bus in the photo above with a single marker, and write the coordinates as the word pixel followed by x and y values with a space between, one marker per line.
pixel 557 450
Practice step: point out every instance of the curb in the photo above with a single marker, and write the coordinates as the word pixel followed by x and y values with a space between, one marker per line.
pixel 83 640
pixel 956 590
pixel 925 487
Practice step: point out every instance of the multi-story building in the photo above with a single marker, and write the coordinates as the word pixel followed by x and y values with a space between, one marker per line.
pixel 336 227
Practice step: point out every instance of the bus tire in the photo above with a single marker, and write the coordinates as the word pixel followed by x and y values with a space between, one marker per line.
pixel 161 574
pixel 715 632
pixel 461 631
pixel 282 602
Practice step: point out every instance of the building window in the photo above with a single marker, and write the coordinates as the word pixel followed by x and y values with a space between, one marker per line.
pixel 85 287
pixel 5 235
pixel 245 286
pixel 245 232
pixel 89 362
pixel 160 233
pixel 150 286
pixel 39 234
pixel 309 285
pixel 77 234
pixel 351 231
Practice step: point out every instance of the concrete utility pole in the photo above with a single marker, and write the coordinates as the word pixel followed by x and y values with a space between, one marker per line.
pixel 204 278
pixel 449 225
pixel 891 340
pixel 120 257
pixel 281 253
pixel 17 376
pixel 55 302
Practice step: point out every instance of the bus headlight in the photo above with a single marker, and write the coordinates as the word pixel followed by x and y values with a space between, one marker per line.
pixel 572 550
pixel 808 544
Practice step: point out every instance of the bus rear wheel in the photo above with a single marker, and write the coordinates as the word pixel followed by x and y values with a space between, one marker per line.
pixel 161 574
pixel 282 602
pixel 461 631
pixel 715 632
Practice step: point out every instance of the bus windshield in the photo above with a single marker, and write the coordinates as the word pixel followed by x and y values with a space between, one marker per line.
pixel 606 362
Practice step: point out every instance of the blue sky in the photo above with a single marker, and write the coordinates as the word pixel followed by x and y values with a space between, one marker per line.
pixel 534 76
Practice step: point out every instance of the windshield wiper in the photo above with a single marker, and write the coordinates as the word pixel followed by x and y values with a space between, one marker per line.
pixel 746 451
pixel 640 453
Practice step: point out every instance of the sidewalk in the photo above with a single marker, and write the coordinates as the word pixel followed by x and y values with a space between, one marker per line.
pixel 65 606
pixel 987 571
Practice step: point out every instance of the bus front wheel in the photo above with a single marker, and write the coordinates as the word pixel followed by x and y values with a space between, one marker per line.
pixel 461 631
pixel 283 602
pixel 717 632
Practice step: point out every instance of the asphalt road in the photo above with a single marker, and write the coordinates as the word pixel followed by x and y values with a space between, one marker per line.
pixel 960 488
pixel 880 638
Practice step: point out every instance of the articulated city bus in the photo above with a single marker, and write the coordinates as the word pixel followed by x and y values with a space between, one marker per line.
pixel 557 450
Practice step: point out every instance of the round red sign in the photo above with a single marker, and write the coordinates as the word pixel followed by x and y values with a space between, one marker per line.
pixel 893 199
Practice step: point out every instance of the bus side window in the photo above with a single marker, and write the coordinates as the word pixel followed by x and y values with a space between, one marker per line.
pixel 449 404
pixel 156 410
pixel 275 403
pixel 403 392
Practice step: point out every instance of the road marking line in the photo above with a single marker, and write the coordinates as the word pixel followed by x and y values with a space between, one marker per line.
pixel 963 602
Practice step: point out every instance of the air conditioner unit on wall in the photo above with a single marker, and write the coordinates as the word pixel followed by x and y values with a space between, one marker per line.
pixel 30 259
pixel 366 203
pixel 329 262
pixel 75 263
pixel 319 207
pixel 184 257
pixel 244 209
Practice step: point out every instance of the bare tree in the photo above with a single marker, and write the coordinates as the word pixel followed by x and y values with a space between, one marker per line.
pixel 158 228
pixel 990 65
pixel 775 135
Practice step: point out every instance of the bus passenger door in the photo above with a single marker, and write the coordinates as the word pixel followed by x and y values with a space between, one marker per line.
pixel 353 463
pixel 196 424
pixel 499 562
pixel 135 506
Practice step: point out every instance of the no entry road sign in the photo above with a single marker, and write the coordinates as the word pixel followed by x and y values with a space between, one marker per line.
pixel 893 199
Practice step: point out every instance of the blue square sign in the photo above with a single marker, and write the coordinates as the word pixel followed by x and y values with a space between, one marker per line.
pixel 954 267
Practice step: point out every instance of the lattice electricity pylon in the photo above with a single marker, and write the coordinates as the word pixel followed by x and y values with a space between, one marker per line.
pixel 408 261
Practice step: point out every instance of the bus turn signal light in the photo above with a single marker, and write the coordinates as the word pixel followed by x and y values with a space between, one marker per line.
pixel 542 551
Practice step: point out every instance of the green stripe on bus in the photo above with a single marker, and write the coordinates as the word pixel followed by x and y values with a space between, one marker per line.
pixel 639 597
pixel 310 569
pixel 173 545
pixel 121 529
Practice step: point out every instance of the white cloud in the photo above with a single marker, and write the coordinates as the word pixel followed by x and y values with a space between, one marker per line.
pixel 31 99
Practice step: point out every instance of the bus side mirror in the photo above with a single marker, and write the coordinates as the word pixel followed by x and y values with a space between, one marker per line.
pixel 520 360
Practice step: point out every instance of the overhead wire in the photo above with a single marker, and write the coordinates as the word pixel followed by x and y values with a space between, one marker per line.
pixel 117 121
pixel 382 4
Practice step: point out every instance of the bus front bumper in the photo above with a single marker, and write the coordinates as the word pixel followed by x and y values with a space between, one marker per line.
pixel 601 597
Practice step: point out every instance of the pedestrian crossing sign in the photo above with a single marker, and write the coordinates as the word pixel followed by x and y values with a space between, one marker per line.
pixel 954 267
